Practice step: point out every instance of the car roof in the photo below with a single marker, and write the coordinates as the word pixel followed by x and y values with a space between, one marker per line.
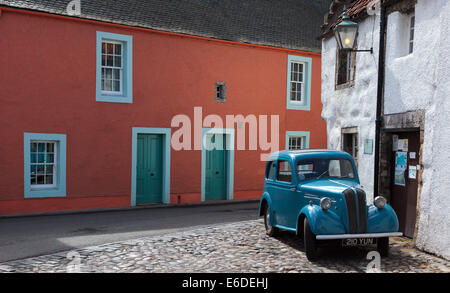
pixel 308 153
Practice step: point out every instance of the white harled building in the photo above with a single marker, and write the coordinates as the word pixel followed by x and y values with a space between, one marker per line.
pixel 414 165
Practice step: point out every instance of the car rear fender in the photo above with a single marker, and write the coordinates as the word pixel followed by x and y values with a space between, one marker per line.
pixel 265 199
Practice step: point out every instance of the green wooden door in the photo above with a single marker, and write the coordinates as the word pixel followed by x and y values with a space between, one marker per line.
pixel 149 169
pixel 215 171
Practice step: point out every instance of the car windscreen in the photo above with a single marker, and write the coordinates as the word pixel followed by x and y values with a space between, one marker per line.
pixel 325 168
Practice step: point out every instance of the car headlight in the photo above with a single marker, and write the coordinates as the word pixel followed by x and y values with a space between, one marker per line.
pixel 325 203
pixel 380 202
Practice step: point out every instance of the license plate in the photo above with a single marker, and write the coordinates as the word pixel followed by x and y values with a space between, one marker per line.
pixel 358 241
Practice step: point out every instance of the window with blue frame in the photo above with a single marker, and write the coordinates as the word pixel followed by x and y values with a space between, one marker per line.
pixel 114 68
pixel 44 165
pixel 297 140
pixel 299 83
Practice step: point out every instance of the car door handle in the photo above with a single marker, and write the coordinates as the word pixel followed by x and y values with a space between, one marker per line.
pixel 293 189
pixel 217 172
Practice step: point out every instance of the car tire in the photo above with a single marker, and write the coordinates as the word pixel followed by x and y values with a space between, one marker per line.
pixel 310 242
pixel 270 230
pixel 383 246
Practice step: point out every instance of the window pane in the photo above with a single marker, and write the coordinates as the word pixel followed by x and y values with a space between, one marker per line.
pixel 50 158
pixel 108 73
pixel 108 85
pixel 33 170
pixel 295 76
pixel 109 60
pixel 103 48
pixel 40 180
pixel 103 60
pixel 49 169
pixel 110 48
pixel 292 96
pixel 118 61
pixel 33 147
pixel 41 158
pixel 49 179
pixel 116 87
pixel 334 168
pixel 33 158
pixel 271 173
pixel 50 147
pixel 40 169
pixel 299 94
pixel 41 147
pixel 118 49
pixel 33 180
pixel 116 74
pixel 340 168
pixel 300 68
pixel 284 171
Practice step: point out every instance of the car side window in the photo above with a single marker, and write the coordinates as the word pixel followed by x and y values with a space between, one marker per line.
pixel 284 171
pixel 270 172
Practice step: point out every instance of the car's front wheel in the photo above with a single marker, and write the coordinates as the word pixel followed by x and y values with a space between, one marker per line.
pixel 383 246
pixel 270 230
pixel 310 242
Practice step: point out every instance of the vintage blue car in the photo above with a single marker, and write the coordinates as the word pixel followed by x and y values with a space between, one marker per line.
pixel 317 195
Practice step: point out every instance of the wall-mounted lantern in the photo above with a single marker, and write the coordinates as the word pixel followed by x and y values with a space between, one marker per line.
pixel 346 32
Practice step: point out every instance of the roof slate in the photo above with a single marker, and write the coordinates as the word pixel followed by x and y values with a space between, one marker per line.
pixel 292 24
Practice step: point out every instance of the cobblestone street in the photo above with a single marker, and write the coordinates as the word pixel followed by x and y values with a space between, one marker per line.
pixel 237 247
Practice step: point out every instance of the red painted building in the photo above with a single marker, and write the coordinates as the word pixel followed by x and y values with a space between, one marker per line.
pixel 87 102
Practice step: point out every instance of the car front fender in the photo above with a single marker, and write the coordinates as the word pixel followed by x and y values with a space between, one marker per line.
pixel 322 222
pixel 381 220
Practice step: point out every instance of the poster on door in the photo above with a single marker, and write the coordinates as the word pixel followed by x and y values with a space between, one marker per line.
pixel 400 168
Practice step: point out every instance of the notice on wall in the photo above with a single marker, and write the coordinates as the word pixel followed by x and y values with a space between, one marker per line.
pixel 395 143
pixel 368 146
pixel 400 167
pixel 412 155
pixel 405 145
pixel 399 145
pixel 412 172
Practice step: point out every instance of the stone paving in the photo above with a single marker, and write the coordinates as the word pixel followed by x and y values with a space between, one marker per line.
pixel 232 248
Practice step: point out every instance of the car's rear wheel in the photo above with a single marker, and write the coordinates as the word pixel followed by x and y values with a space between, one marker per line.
pixel 383 246
pixel 270 230
pixel 310 242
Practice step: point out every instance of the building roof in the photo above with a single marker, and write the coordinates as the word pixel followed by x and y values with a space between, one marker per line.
pixel 356 10
pixel 291 24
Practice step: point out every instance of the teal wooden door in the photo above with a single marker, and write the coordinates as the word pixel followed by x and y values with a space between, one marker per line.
pixel 149 169
pixel 215 171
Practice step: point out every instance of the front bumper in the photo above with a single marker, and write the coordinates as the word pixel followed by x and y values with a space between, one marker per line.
pixel 365 235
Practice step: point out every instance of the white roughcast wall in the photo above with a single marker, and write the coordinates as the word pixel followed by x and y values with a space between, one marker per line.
pixel 420 80
pixel 353 106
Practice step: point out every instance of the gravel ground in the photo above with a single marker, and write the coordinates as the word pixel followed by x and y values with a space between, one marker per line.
pixel 232 248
